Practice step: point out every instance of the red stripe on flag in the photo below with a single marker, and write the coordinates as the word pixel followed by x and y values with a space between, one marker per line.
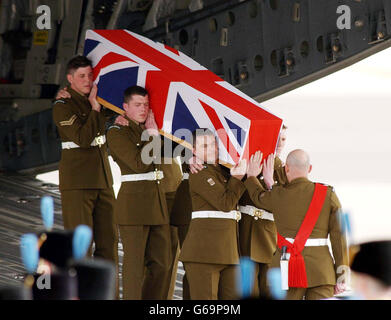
pixel 223 136
pixel 202 80
pixel 107 60
pixel 171 49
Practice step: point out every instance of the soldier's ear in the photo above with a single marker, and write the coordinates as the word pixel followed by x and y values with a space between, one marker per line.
pixel 70 78
pixel 310 168
pixel 125 106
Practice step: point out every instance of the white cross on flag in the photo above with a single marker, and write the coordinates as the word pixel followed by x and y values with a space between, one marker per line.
pixel 182 93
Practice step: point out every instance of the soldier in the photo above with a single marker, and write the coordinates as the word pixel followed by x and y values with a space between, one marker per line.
pixel 172 178
pixel 141 206
pixel 257 230
pixel 210 251
pixel 87 194
pixel 305 214
pixel 180 218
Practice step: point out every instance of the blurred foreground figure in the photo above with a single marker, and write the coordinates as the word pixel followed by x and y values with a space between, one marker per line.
pixel 371 268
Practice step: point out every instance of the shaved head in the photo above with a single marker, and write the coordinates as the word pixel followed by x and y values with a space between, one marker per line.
pixel 298 164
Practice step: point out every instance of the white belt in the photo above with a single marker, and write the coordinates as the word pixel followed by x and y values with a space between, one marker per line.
pixel 234 214
pixel 185 176
pixel 153 175
pixel 311 242
pixel 98 141
pixel 256 213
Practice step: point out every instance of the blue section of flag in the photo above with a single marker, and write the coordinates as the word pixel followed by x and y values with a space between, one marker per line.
pixel 183 118
pixel 238 132
pixel 112 85
pixel 89 45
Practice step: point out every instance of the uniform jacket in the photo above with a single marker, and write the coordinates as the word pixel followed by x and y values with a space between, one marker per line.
pixel 86 167
pixel 182 209
pixel 258 238
pixel 172 174
pixel 213 240
pixel 138 202
pixel 289 204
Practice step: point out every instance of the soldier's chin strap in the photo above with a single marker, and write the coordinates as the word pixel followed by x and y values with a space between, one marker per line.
pixel 297 276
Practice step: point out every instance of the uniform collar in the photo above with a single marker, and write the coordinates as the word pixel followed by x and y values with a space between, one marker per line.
pixel 134 125
pixel 76 95
pixel 299 180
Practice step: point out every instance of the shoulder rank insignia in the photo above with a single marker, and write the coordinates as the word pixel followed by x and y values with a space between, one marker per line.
pixel 68 122
pixel 211 181
pixel 59 101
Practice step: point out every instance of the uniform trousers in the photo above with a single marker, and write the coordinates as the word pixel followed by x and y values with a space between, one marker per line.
pixel 146 262
pixel 313 293
pixel 261 288
pixel 94 208
pixel 212 281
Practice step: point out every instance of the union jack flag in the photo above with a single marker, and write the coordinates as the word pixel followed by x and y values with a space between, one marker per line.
pixel 182 93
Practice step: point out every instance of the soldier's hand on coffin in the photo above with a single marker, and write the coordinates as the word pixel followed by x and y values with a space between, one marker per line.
pixel 195 165
pixel 92 98
pixel 254 167
pixel 121 121
pixel 268 171
pixel 63 94
pixel 150 124
pixel 239 170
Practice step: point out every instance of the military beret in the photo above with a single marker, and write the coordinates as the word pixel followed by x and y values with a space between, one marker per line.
pixel 57 248
pixel 58 285
pixel 96 279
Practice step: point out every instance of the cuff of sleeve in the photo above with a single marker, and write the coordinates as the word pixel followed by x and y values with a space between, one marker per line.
pixel 237 184
pixel 253 181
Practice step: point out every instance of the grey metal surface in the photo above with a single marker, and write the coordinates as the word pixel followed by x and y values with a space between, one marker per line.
pixel 20 213
pixel 263 47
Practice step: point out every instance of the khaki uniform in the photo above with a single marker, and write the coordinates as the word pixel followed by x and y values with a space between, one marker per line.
pixel 258 237
pixel 180 217
pixel 172 179
pixel 210 252
pixel 289 205
pixel 143 218
pixel 87 194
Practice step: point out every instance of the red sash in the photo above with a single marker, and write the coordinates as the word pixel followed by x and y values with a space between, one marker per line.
pixel 297 276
